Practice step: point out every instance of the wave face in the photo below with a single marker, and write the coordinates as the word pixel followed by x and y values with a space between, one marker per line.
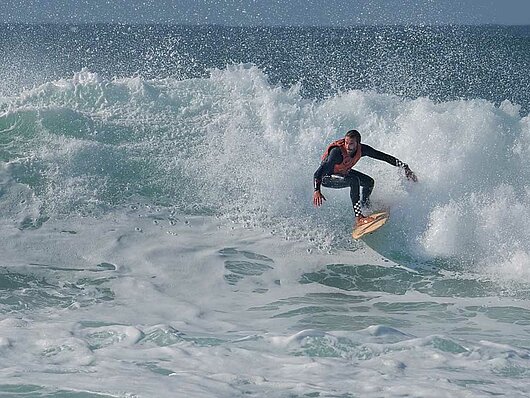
pixel 196 131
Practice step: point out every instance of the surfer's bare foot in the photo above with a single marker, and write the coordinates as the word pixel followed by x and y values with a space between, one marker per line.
pixel 361 220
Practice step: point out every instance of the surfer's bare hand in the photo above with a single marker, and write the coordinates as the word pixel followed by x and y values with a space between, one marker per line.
pixel 410 175
pixel 317 198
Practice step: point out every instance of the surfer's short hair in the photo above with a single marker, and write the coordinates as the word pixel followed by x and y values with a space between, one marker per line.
pixel 354 134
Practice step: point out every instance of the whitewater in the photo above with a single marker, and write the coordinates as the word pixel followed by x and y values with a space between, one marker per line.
pixel 158 237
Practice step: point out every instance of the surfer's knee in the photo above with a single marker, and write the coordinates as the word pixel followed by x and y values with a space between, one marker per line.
pixel 354 181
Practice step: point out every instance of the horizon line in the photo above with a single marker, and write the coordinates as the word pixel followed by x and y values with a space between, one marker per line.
pixel 261 25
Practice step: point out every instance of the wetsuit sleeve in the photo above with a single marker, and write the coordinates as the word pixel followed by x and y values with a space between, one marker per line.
pixel 326 167
pixel 373 153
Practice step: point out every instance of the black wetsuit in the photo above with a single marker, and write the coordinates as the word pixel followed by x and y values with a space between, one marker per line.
pixel 354 179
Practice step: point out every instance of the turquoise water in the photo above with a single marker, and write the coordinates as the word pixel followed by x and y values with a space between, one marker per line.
pixel 158 237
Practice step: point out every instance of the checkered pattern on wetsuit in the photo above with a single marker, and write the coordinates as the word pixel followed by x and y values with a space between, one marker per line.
pixel 357 209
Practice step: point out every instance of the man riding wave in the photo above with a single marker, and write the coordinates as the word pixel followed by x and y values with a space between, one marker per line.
pixel 336 171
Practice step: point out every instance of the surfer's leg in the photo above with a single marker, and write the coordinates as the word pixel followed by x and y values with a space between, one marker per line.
pixel 349 180
pixel 354 195
pixel 367 185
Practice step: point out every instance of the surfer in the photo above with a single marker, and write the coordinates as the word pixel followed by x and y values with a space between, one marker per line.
pixel 336 171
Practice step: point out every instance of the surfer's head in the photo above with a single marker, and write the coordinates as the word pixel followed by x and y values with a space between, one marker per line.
pixel 352 139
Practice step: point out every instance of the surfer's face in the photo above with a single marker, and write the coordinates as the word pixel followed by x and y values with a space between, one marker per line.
pixel 351 145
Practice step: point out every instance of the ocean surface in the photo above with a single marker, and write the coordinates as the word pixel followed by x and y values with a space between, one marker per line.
pixel 157 233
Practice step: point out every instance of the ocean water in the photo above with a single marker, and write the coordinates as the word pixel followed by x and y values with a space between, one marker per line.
pixel 157 232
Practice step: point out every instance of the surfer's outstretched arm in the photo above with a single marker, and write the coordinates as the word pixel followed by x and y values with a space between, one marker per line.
pixel 374 153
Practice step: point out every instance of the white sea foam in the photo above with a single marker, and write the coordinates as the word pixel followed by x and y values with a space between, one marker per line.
pixel 234 145
pixel 158 239
pixel 131 304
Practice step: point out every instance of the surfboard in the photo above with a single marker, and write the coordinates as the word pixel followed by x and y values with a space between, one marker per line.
pixel 380 217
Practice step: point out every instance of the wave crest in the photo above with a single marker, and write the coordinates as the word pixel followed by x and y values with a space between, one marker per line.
pixel 234 145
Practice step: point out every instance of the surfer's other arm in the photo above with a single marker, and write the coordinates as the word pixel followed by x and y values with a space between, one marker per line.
pixel 326 168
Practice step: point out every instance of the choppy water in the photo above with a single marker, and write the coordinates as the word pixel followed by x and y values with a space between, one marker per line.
pixel 158 237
